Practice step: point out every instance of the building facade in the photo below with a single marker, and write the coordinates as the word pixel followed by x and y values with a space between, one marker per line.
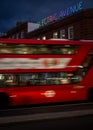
pixel 77 26
pixel 21 29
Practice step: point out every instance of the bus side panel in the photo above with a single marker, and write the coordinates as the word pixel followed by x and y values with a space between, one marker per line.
pixel 47 94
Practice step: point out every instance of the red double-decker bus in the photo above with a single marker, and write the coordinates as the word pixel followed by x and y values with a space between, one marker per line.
pixel 45 71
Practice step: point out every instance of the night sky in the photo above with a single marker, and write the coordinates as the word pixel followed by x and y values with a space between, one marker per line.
pixel 12 11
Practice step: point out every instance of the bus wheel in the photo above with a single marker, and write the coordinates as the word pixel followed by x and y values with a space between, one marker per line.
pixel 4 100
pixel 90 95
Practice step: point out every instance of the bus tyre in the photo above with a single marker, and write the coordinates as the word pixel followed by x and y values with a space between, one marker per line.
pixel 90 95
pixel 4 100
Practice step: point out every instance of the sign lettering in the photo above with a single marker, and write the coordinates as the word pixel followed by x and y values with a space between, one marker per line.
pixel 63 13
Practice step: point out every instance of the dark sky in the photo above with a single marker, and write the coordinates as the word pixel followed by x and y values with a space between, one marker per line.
pixel 12 11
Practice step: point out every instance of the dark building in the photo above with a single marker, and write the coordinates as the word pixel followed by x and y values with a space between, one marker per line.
pixel 77 26
pixel 21 29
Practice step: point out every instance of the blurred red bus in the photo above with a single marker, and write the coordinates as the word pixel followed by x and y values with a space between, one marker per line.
pixel 45 71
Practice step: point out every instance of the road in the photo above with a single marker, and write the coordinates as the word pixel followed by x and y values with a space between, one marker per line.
pixel 70 116
pixel 72 123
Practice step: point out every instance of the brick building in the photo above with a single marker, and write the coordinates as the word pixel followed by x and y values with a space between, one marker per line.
pixel 21 29
pixel 76 26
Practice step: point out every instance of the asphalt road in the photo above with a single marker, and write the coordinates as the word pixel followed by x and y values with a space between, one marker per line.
pixel 64 117
pixel 71 123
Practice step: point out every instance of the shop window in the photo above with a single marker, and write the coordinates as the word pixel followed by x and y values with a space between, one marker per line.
pixel 62 34
pixel 22 34
pixel 17 36
pixel 71 32
pixel 13 36
pixel 55 35
pixel 44 37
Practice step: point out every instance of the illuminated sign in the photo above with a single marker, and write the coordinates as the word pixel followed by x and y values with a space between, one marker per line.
pixel 71 10
pixel 47 20
pixel 63 13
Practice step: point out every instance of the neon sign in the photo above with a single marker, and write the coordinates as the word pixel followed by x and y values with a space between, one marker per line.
pixel 71 10
pixel 47 20
pixel 63 13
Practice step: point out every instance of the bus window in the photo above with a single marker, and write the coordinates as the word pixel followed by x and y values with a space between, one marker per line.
pixel 38 49
pixel 6 50
pixel 8 80
pixel 88 61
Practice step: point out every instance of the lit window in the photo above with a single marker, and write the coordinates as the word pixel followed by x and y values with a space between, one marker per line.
pixel 44 37
pixel 62 34
pixel 55 35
